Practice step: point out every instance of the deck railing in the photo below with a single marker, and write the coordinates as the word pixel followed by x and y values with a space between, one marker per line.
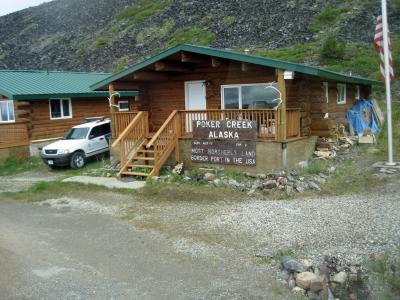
pixel 132 137
pixel 14 135
pixel 121 120
pixel 267 119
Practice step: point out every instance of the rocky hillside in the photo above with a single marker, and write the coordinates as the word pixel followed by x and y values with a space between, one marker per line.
pixel 105 35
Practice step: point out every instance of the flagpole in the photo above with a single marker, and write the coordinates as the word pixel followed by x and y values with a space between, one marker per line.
pixel 390 161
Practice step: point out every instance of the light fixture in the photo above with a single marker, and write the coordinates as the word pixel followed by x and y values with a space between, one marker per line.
pixel 288 75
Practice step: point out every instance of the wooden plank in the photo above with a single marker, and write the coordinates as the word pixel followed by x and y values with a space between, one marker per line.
pixel 282 109
pixel 150 76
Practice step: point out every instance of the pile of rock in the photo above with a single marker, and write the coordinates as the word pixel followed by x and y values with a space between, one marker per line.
pixel 328 281
pixel 330 148
pixel 255 183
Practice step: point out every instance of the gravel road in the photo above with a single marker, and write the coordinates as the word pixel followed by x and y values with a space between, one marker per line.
pixel 80 248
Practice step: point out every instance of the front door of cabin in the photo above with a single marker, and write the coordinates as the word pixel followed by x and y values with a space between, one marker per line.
pixel 195 99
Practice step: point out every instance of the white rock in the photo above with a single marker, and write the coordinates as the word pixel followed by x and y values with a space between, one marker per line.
pixel 340 277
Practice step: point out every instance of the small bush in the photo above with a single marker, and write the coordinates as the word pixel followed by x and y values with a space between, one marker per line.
pixel 101 42
pixel 332 49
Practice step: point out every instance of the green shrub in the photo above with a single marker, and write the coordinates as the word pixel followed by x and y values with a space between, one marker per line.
pixel 326 18
pixel 332 49
pixel 195 36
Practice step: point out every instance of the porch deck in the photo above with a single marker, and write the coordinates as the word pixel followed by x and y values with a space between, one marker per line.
pixel 142 150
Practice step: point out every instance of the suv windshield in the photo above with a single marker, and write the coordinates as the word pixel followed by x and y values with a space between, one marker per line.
pixel 77 133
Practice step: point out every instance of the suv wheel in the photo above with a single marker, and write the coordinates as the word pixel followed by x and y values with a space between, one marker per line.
pixel 77 160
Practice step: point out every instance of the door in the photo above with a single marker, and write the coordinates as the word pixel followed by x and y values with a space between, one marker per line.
pixel 98 139
pixel 195 99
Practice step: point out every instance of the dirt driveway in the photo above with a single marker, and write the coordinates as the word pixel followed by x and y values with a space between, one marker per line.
pixel 174 243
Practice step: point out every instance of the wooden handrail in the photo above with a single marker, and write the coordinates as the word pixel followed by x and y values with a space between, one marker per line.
pixel 127 130
pixel 162 128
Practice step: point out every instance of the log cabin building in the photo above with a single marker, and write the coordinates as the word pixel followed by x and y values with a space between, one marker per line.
pixel 291 104
pixel 40 106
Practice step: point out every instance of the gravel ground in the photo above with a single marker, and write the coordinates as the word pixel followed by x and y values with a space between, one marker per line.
pixel 78 247
pixel 25 180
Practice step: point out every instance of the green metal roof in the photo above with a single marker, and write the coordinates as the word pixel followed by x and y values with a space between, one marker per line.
pixel 35 85
pixel 267 62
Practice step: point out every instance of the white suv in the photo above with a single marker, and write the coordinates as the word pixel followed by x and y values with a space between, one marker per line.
pixel 79 143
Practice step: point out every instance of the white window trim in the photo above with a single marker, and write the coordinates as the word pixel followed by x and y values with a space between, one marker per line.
pixel 357 93
pixel 119 106
pixel 325 89
pixel 240 91
pixel 8 112
pixel 62 109
pixel 338 100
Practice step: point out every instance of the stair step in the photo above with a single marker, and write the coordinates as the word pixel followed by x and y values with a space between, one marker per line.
pixel 145 151
pixel 135 174
pixel 142 158
pixel 141 166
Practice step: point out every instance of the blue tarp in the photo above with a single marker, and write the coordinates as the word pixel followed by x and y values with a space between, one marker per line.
pixel 356 117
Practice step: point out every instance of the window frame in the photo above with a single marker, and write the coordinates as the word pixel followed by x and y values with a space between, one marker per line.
pixel 62 109
pixel 239 86
pixel 325 90
pixel 357 92
pixel 119 106
pixel 8 101
pixel 339 94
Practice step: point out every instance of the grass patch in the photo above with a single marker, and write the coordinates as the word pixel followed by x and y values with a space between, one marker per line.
pixel 99 43
pixel 44 190
pixel 228 20
pixel 13 166
pixel 155 33
pixel 142 10
pixel 194 36
pixel 382 136
pixel 385 277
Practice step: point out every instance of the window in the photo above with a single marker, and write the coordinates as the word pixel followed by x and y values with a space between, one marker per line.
pixel 60 109
pixel 77 133
pixel 7 111
pixel 100 130
pixel 123 105
pixel 341 93
pixel 357 92
pixel 249 96
pixel 325 88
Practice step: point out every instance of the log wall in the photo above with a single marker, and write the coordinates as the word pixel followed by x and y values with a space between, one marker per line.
pixel 304 92
pixel 42 127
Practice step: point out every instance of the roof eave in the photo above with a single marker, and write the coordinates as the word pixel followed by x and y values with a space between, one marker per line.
pixel 71 95
pixel 272 63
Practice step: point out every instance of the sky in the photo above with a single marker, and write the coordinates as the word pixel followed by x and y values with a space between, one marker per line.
pixel 9 6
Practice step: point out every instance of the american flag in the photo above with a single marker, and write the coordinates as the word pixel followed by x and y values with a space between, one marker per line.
pixel 378 42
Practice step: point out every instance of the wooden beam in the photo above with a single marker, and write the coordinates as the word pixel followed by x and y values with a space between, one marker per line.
pixel 244 67
pixel 171 67
pixel 282 109
pixel 192 58
pixel 150 76
pixel 113 109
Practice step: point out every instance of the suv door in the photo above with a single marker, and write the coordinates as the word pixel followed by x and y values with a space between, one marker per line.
pixel 98 139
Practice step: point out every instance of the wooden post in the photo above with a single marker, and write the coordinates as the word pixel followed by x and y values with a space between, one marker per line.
pixel 282 109
pixel 113 109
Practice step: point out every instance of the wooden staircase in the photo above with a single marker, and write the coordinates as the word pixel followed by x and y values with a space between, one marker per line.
pixel 141 163
pixel 143 154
